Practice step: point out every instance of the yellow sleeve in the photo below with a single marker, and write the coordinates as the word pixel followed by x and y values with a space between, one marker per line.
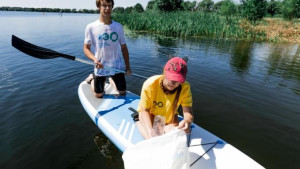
pixel 186 95
pixel 145 98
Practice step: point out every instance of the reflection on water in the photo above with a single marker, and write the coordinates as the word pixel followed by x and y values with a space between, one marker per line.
pixel 285 62
pixel 166 46
pixel 8 82
pixel 241 57
pixel 280 61
pixel 109 151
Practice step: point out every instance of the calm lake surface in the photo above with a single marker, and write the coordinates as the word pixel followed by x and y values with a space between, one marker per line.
pixel 247 93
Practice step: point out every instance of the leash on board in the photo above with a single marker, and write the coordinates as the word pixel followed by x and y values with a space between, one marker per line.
pixel 203 154
pixel 189 145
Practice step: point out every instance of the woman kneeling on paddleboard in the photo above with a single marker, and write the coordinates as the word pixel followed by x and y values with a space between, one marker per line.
pixel 162 95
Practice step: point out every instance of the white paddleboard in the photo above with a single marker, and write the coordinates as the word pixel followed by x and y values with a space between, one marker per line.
pixel 113 118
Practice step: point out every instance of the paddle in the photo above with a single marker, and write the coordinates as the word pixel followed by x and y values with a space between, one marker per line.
pixel 43 53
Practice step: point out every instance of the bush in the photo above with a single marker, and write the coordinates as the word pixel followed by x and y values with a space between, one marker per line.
pixel 227 8
pixel 169 5
pixel 254 10
pixel 206 6
pixel 150 5
pixel 138 8
pixel 273 7
pixel 119 10
pixel 291 9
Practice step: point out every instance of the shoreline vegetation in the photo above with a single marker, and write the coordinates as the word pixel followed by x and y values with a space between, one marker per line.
pixel 211 25
pixel 198 22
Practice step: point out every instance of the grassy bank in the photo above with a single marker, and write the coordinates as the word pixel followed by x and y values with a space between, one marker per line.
pixel 199 24
pixel 277 29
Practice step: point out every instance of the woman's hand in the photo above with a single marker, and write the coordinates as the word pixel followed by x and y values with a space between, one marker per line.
pixel 185 126
pixel 146 128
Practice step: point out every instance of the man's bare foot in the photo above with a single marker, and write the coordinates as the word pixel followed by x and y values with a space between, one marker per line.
pixel 89 78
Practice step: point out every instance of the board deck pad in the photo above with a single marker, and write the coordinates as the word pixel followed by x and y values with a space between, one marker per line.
pixel 113 118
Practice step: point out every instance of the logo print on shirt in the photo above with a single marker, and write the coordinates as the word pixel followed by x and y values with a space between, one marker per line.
pixel 105 36
pixel 159 104
pixel 114 36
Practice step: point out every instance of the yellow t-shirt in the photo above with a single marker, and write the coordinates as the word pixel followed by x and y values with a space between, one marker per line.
pixel 159 103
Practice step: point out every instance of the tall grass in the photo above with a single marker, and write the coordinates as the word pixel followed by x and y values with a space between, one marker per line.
pixel 185 24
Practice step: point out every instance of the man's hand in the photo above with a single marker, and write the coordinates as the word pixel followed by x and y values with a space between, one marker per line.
pixel 98 64
pixel 128 71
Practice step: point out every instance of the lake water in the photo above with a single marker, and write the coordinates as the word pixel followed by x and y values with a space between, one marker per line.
pixel 247 93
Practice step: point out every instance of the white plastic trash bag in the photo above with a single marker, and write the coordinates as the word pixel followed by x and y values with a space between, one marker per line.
pixel 168 151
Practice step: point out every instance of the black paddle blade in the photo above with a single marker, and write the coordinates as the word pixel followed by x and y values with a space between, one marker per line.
pixel 36 51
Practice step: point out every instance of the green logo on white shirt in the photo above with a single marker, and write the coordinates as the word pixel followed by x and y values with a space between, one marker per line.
pixel 113 36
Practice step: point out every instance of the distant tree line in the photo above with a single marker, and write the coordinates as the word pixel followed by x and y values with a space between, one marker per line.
pixel 252 10
pixel 5 8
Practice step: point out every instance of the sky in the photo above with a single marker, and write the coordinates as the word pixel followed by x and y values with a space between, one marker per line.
pixel 71 4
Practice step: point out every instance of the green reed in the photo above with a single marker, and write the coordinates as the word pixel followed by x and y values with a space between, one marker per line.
pixel 185 24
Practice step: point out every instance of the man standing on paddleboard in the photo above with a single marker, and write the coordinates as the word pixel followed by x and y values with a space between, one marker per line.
pixel 105 36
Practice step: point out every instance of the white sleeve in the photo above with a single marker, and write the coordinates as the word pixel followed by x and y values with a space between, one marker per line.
pixel 122 36
pixel 88 35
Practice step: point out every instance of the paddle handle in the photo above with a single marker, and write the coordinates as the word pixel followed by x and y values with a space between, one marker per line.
pixel 109 68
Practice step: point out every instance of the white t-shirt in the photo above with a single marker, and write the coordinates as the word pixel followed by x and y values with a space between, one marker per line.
pixel 105 40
